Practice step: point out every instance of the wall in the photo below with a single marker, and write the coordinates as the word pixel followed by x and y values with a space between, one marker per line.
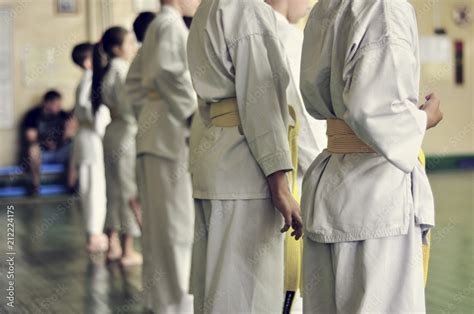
pixel 455 134
pixel 42 43
pixel 39 31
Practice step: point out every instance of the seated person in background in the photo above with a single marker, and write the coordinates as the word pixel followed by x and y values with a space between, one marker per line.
pixel 46 132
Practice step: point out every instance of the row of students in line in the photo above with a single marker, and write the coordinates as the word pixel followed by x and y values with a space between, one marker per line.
pixel 367 204
pixel 104 147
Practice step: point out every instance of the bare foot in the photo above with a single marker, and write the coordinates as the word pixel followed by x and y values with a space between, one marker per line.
pixel 132 259
pixel 97 243
pixel 115 249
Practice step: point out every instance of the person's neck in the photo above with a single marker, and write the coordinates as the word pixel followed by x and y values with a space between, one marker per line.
pixel 174 5
pixel 281 8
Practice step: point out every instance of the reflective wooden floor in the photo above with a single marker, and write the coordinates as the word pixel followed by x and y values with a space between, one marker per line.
pixel 53 274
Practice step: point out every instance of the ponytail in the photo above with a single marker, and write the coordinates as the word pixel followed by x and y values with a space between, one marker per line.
pixel 100 65
pixel 102 54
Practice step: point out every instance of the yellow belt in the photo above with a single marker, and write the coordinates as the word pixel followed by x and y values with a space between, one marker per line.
pixel 225 114
pixel 426 248
pixel 293 249
pixel 342 140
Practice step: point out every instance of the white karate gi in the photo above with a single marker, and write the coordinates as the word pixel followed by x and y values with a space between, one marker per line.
pixel 312 137
pixel 119 150
pixel 102 120
pixel 234 52
pixel 162 150
pixel 135 91
pixel 89 159
pixel 364 213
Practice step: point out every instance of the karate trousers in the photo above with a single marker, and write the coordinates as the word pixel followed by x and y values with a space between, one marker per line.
pixel 120 158
pixel 93 196
pixel 168 225
pixel 382 275
pixel 237 257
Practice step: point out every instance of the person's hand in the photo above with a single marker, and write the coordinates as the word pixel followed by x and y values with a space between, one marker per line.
pixel 432 109
pixel 134 204
pixel 70 128
pixel 72 177
pixel 31 135
pixel 50 144
pixel 285 203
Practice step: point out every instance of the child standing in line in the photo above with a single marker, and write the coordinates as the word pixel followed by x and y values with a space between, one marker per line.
pixel 112 58
pixel 87 157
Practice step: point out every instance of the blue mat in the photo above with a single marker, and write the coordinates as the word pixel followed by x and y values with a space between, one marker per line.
pixel 18 191
pixel 46 169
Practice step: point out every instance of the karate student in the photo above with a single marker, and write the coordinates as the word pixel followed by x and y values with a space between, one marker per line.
pixel 239 158
pixel 136 93
pixel 312 137
pixel 133 84
pixel 88 155
pixel 162 154
pixel 111 62
pixel 366 200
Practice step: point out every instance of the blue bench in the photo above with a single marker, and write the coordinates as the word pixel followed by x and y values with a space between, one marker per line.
pixel 13 180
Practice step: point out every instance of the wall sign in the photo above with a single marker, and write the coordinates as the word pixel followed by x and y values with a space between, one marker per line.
pixel 462 15
pixel 67 6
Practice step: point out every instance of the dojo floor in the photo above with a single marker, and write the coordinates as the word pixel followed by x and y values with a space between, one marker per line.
pixel 53 273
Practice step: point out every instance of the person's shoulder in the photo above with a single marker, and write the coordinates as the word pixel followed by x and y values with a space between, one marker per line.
pixel 32 116
pixel 249 8
pixel 34 112
pixel 170 20
pixel 400 12
pixel 403 5
pixel 172 28
pixel 382 22
pixel 244 18
pixel 86 75
pixel 382 12
pixel 118 70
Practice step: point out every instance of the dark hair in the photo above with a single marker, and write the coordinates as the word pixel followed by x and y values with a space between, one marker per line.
pixel 141 24
pixel 51 95
pixel 188 20
pixel 81 52
pixel 103 52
